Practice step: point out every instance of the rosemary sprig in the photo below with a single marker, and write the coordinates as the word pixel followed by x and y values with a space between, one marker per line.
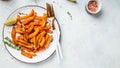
pixel 69 15
pixel 8 42
pixel 20 13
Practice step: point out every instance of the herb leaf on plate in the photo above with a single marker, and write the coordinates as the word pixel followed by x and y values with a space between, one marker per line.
pixel 69 15
pixel 8 42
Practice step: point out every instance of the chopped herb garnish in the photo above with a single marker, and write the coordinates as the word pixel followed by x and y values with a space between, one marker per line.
pixel 69 15
pixel 73 1
pixel 20 13
pixel 10 44
pixel 6 38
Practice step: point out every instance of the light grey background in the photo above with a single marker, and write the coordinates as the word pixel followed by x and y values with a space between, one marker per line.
pixel 87 41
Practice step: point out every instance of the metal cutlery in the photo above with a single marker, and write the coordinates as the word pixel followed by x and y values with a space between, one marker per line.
pixel 51 18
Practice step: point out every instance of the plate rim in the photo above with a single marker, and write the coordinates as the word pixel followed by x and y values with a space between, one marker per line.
pixel 6 46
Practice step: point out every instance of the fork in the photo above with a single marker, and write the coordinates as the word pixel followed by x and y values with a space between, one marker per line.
pixel 51 18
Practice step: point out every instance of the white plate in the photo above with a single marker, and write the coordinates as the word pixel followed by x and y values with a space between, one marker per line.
pixel 41 56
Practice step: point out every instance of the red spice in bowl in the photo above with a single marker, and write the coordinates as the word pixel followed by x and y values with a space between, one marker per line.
pixel 93 6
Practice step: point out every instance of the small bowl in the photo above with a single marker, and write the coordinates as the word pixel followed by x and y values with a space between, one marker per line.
pixel 98 8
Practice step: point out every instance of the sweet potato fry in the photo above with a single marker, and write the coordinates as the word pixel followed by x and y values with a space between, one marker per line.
pixel 13 34
pixel 35 14
pixel 32 53
pixel 36 31
pixel 45 16
pixel 41 35
pixel 18 18
pixel 39 18
pixel 34 24
pixel 27 49
pixel 40 49
pixel 18 24
pixel 43 23
pixel 20 37
pixel 22 41
pixel 48 41
pixel 29 15
pixel 34 42
pixel 28 54
pixel 49 31
pixel 47 27
pixel 42 42
pixel 29 29
pixel 37 38
pixel 28 20
pixel 25 45
pixel 25 37
pixel 46 36
pixel 19 30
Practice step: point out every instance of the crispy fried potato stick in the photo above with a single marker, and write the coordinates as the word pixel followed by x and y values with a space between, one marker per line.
pixel 29 15
pixel 34 33
pixel 48 41
pixel 13 34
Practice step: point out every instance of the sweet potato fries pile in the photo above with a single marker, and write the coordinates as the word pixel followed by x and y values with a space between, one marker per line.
pixel 32 33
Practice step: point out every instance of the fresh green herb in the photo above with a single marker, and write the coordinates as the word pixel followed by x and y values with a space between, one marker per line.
pixel 10 44
pixel 20 13
pixel 69 15
pixel 73 1
pixel 18 48
pixel 6 38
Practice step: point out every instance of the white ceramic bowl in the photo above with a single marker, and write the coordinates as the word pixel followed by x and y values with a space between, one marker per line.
pixel 99 7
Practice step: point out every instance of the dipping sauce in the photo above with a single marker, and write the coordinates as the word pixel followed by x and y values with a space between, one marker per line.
pixel 92 5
